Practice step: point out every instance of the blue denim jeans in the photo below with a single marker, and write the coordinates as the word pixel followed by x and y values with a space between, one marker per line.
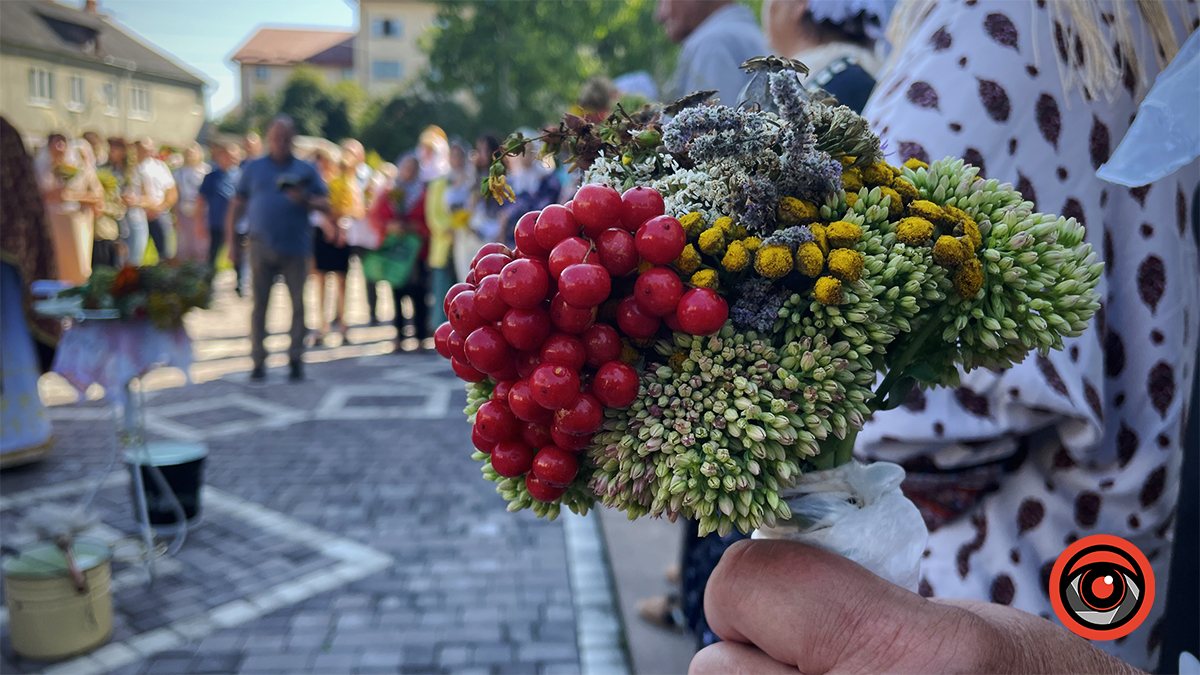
pixel 135 232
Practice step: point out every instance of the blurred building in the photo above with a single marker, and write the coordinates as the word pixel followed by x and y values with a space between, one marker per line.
pixel 69 69
pixel 266 60
pixel 387 54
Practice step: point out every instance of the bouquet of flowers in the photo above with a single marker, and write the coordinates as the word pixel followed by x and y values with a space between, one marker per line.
pixel 729 297
pixel 160 293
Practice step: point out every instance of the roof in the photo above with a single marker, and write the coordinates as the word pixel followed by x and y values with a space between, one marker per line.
pixel 287 46
pixel 52 28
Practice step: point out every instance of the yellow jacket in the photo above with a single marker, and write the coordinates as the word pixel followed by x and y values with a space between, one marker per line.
pixel 437 218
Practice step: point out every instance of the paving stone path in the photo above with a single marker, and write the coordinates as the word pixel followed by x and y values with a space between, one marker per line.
pixel 345 530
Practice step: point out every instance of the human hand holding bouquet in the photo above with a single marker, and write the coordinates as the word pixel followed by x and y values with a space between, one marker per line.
pixel 763 284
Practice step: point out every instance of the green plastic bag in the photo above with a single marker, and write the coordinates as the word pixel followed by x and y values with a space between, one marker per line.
pixel 393 261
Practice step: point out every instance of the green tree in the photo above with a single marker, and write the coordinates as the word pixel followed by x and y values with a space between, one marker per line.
pixel 392 127
pixel 523 62
pixel 304 98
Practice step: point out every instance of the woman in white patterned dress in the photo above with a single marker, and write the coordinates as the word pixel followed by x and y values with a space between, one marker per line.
pixel 1012 467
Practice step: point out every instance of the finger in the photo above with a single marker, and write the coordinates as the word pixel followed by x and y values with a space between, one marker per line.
pixel 734 658
pixel 807 607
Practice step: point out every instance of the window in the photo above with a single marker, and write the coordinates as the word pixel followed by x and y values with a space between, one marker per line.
pixel 347 73
pixel 386 28
pixel 261 73
pixel 139 100
pixel 41 86
pixel 112 102
pixel 385 70
pixel 78 99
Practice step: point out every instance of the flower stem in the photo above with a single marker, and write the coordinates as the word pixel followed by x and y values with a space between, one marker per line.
pixel 897 370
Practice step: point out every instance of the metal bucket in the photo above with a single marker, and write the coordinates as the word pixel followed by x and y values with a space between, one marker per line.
pixel 48 619
pixel 182 465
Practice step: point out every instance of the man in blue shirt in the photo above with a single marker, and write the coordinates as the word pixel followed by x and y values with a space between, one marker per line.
pixel 278 192
pixel 216 191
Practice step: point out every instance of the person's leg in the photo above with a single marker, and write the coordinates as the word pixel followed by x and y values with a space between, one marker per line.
pixel 339 288
pixel 398 321
pixel 158 235
pixel 237 253
pixel 372 300
pixel 419 292
pixel 441 280
pixel 137 233
pixel 263 274
pixel 318 278
pixel 216 239
pixel 294 270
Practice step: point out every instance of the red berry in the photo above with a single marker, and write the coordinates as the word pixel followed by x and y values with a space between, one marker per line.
pixel 508 372
pixel 660 240
pixel 602 343
pixel 466 372
pixel 525 362
pixel 523 283
pixel 638 205
pixel 615 384
pixel 482 444
pixel 657 291
pixel 581 416
pixel 597 207
pixel 525 329
pixel 488 303
pixel 470 278
pixel 454 290
pixel 553 225
pixel 496 422
pixel 535 435
pixel 554 385
pixel 570 251
pixel 454 345
pixel 463 317
pixel 634 322
pixel 500 391
pixel 617 252
pixel 565 349
pixel 520 401
pixel 584 285
pixel 490 264
pixel 542 491
pixel 572 442
pixel 487 350
pixel 554 466
pixel 523 233
pixel 439 339
pixel 672 322
pixel 701 311
pixel 512 458
pixel 488 249
pixel 570 319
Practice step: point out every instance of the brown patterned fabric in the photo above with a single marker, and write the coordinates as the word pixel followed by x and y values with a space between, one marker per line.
pixel 24 240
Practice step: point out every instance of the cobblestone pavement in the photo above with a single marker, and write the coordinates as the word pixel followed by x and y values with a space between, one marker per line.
pixel 345 527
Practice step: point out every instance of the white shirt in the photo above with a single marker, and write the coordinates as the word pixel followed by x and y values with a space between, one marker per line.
pixel 710 56
pixel 151 179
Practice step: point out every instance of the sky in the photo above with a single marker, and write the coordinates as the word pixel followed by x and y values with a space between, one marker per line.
pixel 203 34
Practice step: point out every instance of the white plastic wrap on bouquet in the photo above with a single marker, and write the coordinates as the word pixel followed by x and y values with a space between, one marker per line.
pixel 858 511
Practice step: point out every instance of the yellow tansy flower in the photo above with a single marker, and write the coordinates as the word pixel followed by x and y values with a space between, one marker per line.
pixel 752 243
pixel 906 189
pixel 877 174
pixel 688 261
pixel 677 359
pixel 712 240
pixel 914 164
pixel 969 278
pixel 629 353
pixel 847 160
pixel 970 230
pixel 773 261
pixel 692 224
pixel 842 234
pixel 948 251
pixel 914 231
pixel 643 266
pixel 724 224
pixel 739 231
pixel 736 257
pixel 852 180
pixel 851 198
pixel 923 208
pixel 828 291
pixel 809 260
pixel 705 278
pixel 794 211
pixel 820 237
pixel 896 205
pixel 846 264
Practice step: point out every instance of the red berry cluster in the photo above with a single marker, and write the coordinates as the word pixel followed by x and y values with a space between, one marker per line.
pixel 545 322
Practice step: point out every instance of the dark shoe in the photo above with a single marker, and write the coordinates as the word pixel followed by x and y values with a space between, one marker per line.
pixel 296 371
pixel 663 611
pixel 258 375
